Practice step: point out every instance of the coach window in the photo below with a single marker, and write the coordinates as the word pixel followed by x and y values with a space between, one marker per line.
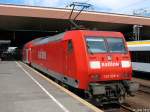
pixel 70 46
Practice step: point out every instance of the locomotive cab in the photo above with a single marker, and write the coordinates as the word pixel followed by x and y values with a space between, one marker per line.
pixel 108 59
pixel 110 68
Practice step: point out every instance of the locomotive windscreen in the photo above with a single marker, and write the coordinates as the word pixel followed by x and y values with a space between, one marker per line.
pixel 96 45
pixel 102 45
pixel 116 45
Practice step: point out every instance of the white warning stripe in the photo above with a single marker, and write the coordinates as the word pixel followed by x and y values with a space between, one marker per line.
pixel 52 97
pixel 91 106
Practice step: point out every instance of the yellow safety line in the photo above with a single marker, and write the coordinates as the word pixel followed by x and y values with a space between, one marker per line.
pixel 137 43
pixel 94 108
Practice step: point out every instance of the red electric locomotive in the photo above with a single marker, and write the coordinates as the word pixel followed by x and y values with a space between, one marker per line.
pixel 97 62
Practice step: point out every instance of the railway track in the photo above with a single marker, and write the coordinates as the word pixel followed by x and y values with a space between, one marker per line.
pixel 144 85
pixel 126 108
pixel 144 88
pixel 119 108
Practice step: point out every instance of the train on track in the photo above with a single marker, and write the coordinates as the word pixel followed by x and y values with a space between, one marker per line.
pixel 95 62
pixel 140 53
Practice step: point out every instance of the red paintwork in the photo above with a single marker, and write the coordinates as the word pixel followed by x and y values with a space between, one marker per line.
pixel 76 64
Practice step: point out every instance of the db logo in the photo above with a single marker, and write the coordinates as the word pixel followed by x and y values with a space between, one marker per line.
pixel 110 64
pixel 109 58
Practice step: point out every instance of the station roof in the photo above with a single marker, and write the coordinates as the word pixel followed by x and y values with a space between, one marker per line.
pixel 14 18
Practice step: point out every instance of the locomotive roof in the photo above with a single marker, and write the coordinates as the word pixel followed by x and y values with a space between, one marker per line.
pixel 47 39
pixel 38 39
pixel 44 40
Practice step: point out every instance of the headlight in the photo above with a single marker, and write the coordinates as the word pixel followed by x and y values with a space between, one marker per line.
pixel 95 64
pixel 125 64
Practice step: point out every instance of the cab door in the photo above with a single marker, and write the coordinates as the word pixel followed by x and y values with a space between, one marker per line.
pixel 69 58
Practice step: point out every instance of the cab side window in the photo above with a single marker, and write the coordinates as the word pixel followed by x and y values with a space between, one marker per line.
pixel 70 46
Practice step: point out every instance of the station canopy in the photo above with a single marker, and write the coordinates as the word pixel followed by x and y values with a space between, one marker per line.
pixel 27 18
pixel 20 24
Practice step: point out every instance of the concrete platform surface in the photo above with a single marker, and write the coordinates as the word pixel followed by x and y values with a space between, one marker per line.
pixel 22 90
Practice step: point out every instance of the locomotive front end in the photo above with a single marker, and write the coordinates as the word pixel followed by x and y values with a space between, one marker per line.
pixel 110 69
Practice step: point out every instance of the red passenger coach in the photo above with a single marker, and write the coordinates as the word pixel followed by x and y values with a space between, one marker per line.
pixel 26 54
pixel 96 62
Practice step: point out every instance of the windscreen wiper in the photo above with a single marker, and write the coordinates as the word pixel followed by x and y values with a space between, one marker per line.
pixel 90 51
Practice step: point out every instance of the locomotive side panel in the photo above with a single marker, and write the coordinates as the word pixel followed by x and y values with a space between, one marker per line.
pixel 57 59
pixel 49 56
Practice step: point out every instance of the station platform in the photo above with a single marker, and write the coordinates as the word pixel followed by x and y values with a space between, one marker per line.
pixel 22 89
